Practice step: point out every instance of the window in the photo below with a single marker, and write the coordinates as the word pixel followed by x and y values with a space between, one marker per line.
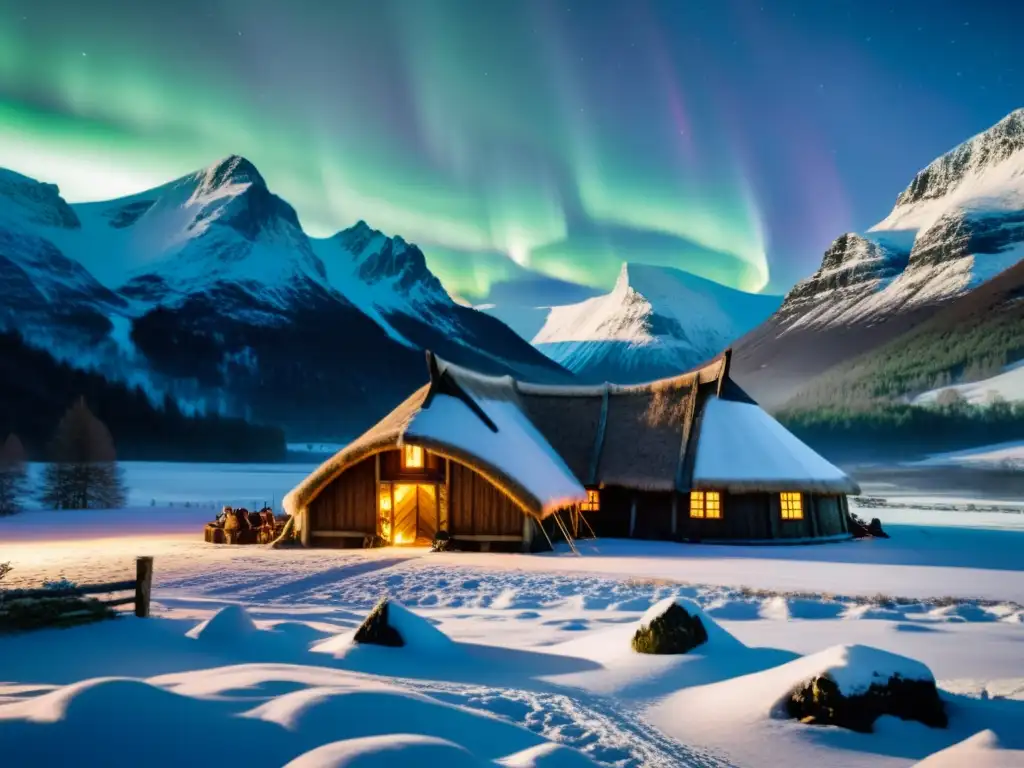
pixel 706 504
pixel 593 502
pixel 792 506
pixel 412 457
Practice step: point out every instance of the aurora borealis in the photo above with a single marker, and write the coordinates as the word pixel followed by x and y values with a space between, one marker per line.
pixel 733 139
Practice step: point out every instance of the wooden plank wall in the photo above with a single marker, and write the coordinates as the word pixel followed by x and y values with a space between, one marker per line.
pixel 653 516
pixel 477 508
pixel 349 503
pixel 830 519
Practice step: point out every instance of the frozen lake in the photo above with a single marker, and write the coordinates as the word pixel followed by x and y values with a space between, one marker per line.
pixel 165 483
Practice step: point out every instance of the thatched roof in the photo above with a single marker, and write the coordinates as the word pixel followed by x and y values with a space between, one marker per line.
pixel 475 420
pixel 541 444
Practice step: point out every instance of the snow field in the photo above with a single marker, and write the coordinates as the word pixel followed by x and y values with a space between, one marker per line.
pixel 512 659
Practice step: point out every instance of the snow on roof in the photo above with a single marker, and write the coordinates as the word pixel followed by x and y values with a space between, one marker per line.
pixel 516 450
pixel 742 448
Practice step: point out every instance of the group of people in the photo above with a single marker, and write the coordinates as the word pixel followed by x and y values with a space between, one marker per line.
pixel 241 526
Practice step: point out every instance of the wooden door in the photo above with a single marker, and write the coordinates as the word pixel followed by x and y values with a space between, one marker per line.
pixel 404 528
pixel 426 496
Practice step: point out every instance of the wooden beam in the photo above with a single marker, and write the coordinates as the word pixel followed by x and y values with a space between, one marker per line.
pixel 602 426
pixel 340 534
pixel 487 537
pixel 632 515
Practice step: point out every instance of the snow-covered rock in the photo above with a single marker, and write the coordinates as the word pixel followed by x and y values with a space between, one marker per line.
pixel 656 322
pixel 415 634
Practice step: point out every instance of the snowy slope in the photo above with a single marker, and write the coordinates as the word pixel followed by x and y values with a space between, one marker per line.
pixel 524 304
pixel 657 321
pixel 1008 385
pixel 219 230
pixel 388 280
pixel 47 296
pixel 959 223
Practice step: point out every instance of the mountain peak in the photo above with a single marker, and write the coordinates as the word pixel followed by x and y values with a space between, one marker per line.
pixel 41 202
pixel 973 159
pixel 233 169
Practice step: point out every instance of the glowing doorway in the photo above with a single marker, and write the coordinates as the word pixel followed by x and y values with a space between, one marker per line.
pixel 415 513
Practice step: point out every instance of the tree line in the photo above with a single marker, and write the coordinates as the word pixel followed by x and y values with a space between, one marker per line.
pixel 36 388
pixel 901 429
pixel 82 472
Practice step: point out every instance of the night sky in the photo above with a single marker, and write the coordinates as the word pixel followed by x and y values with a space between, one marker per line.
pixel 733 139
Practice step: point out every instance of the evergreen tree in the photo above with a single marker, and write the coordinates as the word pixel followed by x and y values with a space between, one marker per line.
pixel 13 476
pixel 83 471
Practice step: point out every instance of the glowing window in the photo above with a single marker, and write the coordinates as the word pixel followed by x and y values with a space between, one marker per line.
pixel 593 502
pixel 706 504
pixel 792 506
pixel 412 457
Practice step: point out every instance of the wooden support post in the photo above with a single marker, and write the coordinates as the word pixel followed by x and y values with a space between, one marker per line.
pixel 812 505
pixel 143 585
pixel 675 513
pixel 632 516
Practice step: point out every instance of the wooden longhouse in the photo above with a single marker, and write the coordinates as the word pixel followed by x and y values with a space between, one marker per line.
pixel 490 459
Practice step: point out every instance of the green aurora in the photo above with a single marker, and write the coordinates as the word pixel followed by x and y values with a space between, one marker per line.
pixel 494 152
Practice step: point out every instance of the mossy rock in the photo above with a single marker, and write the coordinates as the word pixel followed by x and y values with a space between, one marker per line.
pixel 375 629
pixel 820 702
pixel 22 614
pixel 442 542
pixel 373 542
pixel 674 631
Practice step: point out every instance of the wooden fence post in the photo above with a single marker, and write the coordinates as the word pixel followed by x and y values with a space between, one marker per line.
pixel 143 585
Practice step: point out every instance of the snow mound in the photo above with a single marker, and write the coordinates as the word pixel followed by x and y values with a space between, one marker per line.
pixel 261 715
pixel 547 756
pixel 228 626
pixel 982 750
pixel 374 709
pixel 392 751
pixel 154 727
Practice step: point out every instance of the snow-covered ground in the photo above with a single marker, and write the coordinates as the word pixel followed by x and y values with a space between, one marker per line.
pixel 513 659
pixel 1008 385
pixel 1008 456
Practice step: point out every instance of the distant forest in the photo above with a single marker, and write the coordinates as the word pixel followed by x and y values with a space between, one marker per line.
pixel 36 391
pixel 973 339
pixel 890 430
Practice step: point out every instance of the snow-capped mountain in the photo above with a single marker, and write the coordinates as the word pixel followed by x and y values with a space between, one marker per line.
pixel 219 233
pixel 43 291
pixel 959 223
pixel 388 280
pixel 656 321
pixel 208 287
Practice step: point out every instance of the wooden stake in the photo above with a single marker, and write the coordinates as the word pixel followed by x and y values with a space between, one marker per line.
pixel 143 585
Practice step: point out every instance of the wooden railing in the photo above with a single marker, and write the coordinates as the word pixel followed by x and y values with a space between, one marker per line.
pixel 142 586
